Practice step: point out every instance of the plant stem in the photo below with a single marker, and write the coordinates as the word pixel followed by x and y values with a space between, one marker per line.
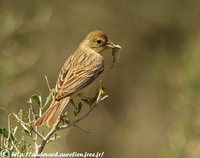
pixel 57 127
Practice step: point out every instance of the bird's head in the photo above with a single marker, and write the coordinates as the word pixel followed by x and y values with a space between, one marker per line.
pixel 97 41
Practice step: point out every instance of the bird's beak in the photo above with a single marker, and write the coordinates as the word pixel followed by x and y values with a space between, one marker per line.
pixel 111 45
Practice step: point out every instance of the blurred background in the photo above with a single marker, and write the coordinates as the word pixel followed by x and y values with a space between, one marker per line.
pixel 153 109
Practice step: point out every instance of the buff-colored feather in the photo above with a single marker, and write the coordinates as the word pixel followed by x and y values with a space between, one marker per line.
pixel 78 72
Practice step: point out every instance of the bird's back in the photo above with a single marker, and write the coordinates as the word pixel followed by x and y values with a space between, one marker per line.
pixel 80 69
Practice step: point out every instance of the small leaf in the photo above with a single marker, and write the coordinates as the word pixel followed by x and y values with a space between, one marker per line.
pixel 30 101
pixel 16 116
pixel 29 145
pixel 56 136
pixel 4 132
pixel 66 121
pixel 22 145
pixel 24 126
pixel 37 116
pixel 23 148
pixel 27 132
pixel 20 114
pixel 49 98
pixel 18 119
pixel 37 99
pixel 13 138
pixel 78 109
pixel 15 130
pixel 73 103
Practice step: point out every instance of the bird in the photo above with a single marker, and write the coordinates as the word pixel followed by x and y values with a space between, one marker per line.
pixel 78 72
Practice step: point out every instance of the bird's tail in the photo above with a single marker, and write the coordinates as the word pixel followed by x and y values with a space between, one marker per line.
pixel 52 115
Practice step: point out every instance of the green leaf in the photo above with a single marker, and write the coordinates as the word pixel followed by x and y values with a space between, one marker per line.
pixel 56 136
pixel 13 138
pixel 27 132
pixel 78 109
pixel 49 98
pixel 20 114
pixel 18 119
pixel 23 148
pixel 73 103
pixel 66 121
pixel 4 132
pixel 37 116
pixel 22 145
pixel 37 99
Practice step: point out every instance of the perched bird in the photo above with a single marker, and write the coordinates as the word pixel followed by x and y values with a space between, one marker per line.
pixel 77 73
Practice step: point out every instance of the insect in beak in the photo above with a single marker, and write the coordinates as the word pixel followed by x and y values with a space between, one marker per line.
pixel 116 51
pixel 110 44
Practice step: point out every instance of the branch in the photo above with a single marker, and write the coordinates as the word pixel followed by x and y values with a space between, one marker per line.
pixel 57 128
pixel 45 140
pixel 9 140
pixel 83 116
pixel 83 130
pixel 37 133
pixel 48 85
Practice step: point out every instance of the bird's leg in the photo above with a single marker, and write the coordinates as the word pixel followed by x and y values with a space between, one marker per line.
pixel 90 101
pixel 87 100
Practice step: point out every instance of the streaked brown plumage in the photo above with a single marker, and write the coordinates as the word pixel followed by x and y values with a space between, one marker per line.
pixel 79 71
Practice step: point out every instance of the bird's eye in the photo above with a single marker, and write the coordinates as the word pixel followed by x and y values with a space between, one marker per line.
pixel 99 41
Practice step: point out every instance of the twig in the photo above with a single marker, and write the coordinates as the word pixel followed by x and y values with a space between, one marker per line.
pixel 36 132
pixel 35 138
pixel 32 110
pixel 22 122
pixel 2 108
pixel 87 132
pixel 91 109
pixel 9 135
pixel 57 127
pixel 83 116
pixel 45 140
pixel 48 85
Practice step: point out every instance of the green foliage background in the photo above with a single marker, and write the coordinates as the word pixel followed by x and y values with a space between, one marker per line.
pixel 153 106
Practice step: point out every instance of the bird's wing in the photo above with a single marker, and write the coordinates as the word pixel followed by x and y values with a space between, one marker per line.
pixel 78 72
